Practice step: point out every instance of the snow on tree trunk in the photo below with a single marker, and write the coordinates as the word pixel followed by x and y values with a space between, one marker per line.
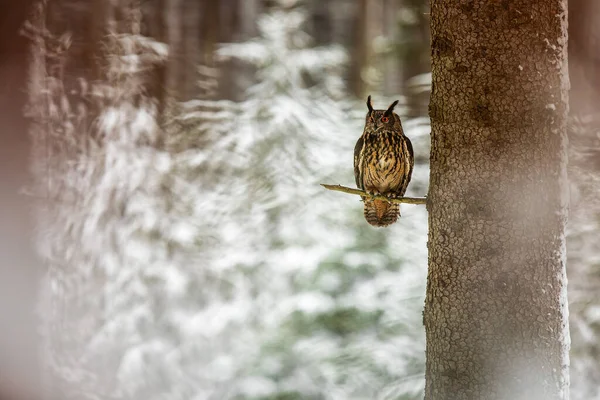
pixel 496 314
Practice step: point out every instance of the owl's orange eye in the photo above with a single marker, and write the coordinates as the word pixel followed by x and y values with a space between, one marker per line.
pixel 384 119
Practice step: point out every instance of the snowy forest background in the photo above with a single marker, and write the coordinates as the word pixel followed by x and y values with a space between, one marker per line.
pixel 188 250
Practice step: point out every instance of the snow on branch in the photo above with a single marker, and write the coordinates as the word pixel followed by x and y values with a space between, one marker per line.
pixel 406 200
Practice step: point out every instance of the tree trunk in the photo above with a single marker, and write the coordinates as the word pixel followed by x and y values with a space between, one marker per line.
pixel 415 58
pixel 359 51
pixel 496 306
pixel 321 24
pixel 19 367
pixel 173 23
pixel 191 47
pixel 584 60
pixel 392 66
pixel 97 31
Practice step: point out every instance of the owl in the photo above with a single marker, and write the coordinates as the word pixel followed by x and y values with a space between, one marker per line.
pixel 383 163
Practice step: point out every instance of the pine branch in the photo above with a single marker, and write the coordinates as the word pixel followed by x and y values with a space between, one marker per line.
pixel 406 200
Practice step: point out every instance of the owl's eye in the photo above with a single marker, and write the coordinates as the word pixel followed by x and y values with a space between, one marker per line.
pixel 371 119
pixel 385 119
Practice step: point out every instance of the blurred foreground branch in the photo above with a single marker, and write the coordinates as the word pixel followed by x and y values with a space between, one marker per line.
pixel 406 200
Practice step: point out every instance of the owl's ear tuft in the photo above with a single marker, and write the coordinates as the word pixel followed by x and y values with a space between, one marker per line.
pixel 391 108
pixel 369 105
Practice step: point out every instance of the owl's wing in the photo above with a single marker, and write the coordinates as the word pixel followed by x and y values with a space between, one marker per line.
pixel 408 152
pixel 357 168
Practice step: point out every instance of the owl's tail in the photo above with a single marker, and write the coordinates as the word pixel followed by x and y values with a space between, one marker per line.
pixel 381 213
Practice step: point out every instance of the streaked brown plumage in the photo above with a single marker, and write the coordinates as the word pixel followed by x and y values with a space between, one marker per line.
pixel 383 163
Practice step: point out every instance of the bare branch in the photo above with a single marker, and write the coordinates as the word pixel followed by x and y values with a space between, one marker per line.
pixel 406 200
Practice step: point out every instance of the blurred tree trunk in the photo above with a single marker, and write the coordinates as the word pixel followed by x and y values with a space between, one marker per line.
pixel 192 30
pixel 393 66
pixel 193 22
pixel 165 23
pixel 495 312
pixel 173 36
pixel 415 31
pixel 359 51
pixel 19 352
pixel 249 11
pixel 155 27
pixel 97 31
pixel 584 59
pixel 201 24
pixel 584 166
pixel 367 26
pixel 321 22
pixel 414 36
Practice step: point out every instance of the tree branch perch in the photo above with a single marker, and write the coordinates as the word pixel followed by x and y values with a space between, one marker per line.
pixel 405 200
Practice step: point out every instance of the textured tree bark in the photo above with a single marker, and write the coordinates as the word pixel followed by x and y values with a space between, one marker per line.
pixel 495 312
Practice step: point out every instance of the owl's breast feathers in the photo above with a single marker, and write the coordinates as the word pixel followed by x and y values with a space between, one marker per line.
pixel 383 163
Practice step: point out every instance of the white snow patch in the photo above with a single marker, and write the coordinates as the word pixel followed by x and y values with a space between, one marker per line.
pixel 308 302
pixel 329 281
pixel 257 386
